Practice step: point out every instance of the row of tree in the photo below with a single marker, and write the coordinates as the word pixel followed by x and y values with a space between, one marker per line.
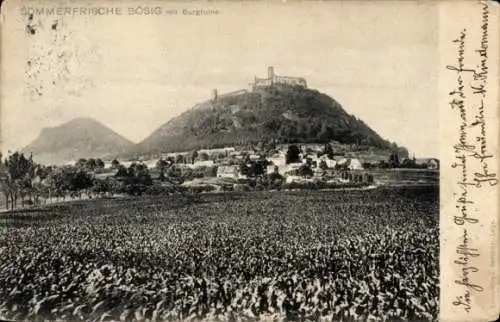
pixel 16 176
pixel 22 178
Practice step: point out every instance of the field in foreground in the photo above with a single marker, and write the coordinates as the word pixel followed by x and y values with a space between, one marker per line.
pixel 310 255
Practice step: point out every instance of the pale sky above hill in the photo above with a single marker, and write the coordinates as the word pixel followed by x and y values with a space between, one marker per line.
pixel 134 73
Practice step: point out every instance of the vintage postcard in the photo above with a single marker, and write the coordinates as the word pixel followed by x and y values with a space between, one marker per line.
pixel 249 160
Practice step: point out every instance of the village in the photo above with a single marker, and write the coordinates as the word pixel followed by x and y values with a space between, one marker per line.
pixel 293 164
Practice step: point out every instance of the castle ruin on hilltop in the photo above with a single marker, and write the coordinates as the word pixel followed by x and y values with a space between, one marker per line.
pixel 272 79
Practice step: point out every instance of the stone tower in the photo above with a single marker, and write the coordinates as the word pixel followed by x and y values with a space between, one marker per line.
pixel 270 73
pixel 214 94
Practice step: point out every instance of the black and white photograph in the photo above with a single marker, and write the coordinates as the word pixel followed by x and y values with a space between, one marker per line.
pixel 218 161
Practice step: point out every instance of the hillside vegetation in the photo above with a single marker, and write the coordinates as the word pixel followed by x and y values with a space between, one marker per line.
pixel 278 256
pixel 279 114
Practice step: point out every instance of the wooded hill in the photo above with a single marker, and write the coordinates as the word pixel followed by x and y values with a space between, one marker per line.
pixel 279 114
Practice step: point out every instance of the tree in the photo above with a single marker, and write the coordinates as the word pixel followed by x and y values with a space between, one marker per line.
pixel 409 163
pixel 99 163
pixel 162 176
pixel 305 171
pixel 174 172
pixel 394 160
pixel 275 174
pixel 43 184
pixel 328 151
pixel 80 180
pixel 115 186
pixel 100 186
pixel 81 163
pixel 140 174
pixel 122 171
pixel 292 154
pixel 19 177
pixel 256 169
pixel 323 165
pixel 244 169
pixel 194 156
pixel 179 158
pixel 57 183
pixel 114 164
pixel 276 179
pixel 91 164
pixel 135 178
pixel 162 165
pixel 19 166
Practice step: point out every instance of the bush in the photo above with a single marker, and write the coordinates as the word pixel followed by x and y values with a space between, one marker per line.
pixel 134 189
pixel 200 189
pixel 157 190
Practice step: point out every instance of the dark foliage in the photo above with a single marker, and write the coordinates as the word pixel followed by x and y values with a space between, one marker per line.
pixel 281 114
pixel 292 154
pixel 293 256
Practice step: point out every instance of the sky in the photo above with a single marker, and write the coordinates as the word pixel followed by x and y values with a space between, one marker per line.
pixel 135 72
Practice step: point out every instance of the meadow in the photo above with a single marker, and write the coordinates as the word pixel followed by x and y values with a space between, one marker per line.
pixel 282 255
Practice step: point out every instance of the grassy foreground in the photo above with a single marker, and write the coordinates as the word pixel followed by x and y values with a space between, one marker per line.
pixel 312 255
